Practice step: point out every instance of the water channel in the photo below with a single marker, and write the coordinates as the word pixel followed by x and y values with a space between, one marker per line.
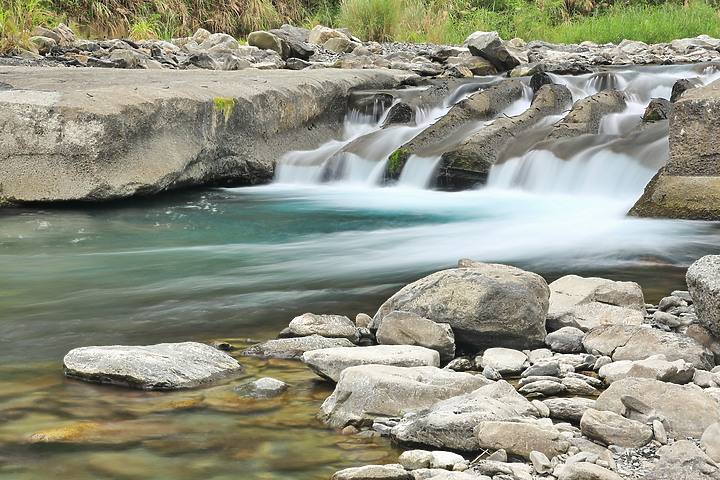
pixel 239 264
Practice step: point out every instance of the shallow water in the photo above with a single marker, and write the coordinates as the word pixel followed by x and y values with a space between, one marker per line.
pixel 238 264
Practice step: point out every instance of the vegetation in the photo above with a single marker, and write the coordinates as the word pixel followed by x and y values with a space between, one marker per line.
pixel 225 106
pixel 435 21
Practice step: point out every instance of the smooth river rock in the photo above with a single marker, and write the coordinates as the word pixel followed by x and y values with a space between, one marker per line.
pixel 330 362
pixel 685 410
pixel 449 424
pixel 613 429
pixel 164 366
pixel 585 303
pixel 393 471
pixel 519 438
pixel 683 460
pixel 356 401
pixel 656 367
pixel 487 305
pixel 332 326
pixel 407 328
pixel 627 342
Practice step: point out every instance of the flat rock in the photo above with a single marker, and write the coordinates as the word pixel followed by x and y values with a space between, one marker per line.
pixel 487 305
pixel 164 366
pixel 655 367
pixel 505 360
pixel 293 348
pixel 332 326
pixel 330 362
pixel 585 303
pixel 613 429
pixel 407 328
pixel 449 423
pixel 587 471
pixel 405 389
pixel 571 408
pixel 648 398
pixel 627 342
pixel 374 472
pixel 520 438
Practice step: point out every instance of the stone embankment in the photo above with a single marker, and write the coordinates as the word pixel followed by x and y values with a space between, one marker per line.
pixel 618 389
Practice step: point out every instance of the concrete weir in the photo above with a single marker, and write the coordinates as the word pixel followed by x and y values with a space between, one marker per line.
pixel 95 134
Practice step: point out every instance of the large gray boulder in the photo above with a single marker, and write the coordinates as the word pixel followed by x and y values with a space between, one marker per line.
pixel 165 366
pixel 686 410
pixel 450 423
pixel 503 55
pixel 407 328
pixel 585 303
pixel 656 367
pixel 703 280
pixel 356 401
pixel 330 362
pixel 293 348
pixel 628 342
pixel 103 140
pixel 269 41
pixel 487 305
pixel 586 114
pixel 296 39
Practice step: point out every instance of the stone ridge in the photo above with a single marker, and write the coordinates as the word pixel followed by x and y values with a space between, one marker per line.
pixel 97 134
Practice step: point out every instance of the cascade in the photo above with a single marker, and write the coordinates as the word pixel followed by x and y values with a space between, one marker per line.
pixel 617 161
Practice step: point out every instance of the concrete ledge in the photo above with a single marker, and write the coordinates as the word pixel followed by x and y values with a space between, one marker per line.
pixel 96 134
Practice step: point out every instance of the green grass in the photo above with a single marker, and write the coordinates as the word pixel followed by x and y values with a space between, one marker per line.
pixel 17 19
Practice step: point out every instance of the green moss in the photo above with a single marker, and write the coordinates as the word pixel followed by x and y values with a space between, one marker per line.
pixel 397 161
pixel 224 105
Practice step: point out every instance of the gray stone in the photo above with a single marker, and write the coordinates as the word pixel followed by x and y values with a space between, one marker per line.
pixel 703 279
pixel 549 368
pixel 668 319
pixel 505 361
pixel 293 348
pixel 331 326
pixel 520 438
pixel 438 474
pixel 319 35
pixel 339 45
pixel 683 460
pixel 645 399
pixel 373 472
pixel 216 39
pixel 449 424
pixel 67 36
pixel 710 441
pixel 485 304
pixel 587 471
pixel 586 114
pixel 330 362
pixel 296 39
pixel 415 459
pixel 265 387
pixel 407 328
pixel 164 366
pixel 565 340
pixel 585 303
pixel 503 55
pixel 541 463
pixel 571 408
pixel 355 399
pixel 655 367
pixel 542 387
pixel 269 41
pixel 613 429
pixel 577 386
pixel 43 44
pixel 627 342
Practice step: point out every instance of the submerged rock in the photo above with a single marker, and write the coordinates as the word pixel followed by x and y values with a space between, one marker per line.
pixel 164 366
pixel 266 387
pixel 487 305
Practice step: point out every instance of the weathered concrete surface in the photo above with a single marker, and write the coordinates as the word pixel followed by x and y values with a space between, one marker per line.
pixel 689 185
pixel 102 134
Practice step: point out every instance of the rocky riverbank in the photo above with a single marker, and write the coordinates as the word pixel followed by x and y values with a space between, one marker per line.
pixel 600 386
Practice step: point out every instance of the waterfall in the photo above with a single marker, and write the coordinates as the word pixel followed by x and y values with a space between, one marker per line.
pixel 617 161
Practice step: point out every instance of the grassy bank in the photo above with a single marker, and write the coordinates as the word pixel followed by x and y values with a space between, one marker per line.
pixel 436 21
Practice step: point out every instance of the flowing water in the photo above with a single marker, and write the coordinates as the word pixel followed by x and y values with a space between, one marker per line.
pixel 328 237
